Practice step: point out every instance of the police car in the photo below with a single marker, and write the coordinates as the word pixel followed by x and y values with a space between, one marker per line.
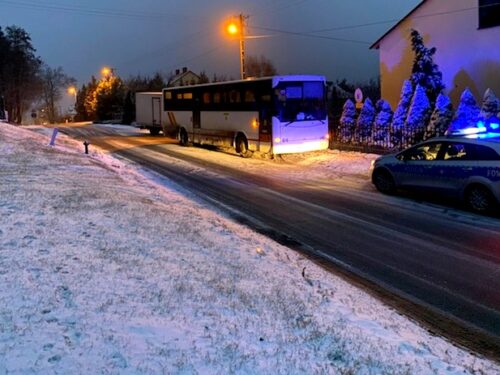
pixel 465 165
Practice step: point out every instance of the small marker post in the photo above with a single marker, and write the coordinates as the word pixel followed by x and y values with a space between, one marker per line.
pixel 86 144
pixel 53 138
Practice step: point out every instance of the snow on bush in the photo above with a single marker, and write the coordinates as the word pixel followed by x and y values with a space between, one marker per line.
pixel 425 72
pixel 399 119
pixel 441 117
pixel 347 122
pixel 467 113
pixel 418 116
pixel 381 129
pixel 490 105
pixel 365 122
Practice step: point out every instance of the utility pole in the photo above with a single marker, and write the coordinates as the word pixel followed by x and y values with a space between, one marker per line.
pixel 242 20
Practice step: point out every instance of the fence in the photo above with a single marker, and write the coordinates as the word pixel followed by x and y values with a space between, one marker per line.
pixel 376 139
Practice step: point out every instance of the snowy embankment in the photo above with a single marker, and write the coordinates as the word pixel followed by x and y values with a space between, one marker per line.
pixel 104 271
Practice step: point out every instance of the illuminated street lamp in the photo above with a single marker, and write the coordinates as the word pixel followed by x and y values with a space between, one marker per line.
pixel 238 28
pixel 72 91
pixel 107 71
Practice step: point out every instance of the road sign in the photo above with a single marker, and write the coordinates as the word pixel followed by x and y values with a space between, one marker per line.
pixel 358 95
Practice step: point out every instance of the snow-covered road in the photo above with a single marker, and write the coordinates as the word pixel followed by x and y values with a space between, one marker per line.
pixel 104 271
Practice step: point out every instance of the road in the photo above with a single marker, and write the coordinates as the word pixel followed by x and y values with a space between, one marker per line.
pixel 437 264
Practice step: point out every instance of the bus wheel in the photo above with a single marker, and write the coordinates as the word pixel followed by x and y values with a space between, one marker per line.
pixel 183 137
pixel 242 146
pixel 154 131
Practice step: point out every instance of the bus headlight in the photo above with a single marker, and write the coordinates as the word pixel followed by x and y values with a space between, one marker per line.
pixel 255 123
pixel 277 140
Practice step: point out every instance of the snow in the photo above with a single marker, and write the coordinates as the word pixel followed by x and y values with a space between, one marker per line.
pixel 104 270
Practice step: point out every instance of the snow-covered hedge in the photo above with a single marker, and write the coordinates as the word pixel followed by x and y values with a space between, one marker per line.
pixel 415 118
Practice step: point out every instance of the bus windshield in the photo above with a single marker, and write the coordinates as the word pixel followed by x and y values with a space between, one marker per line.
pixel 300 101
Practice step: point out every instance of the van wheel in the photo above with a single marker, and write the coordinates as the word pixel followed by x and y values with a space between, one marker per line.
pixel 242 146
pixel 183 137
pixel 479 199
pixel 154 131
pixel 384 182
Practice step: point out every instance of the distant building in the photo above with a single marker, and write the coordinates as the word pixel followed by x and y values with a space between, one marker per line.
pixel 184 78
pixel 466 34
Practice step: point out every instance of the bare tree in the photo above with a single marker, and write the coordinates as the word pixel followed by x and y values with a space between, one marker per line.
pixel 54 81
pixel 259 67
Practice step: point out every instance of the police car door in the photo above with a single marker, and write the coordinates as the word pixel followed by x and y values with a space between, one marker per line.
pixel 455 166
pixel 420 164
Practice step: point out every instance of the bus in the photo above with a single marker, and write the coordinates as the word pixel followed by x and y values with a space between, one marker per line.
pixel 271 115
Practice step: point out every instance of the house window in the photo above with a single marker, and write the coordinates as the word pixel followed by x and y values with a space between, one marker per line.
pixel 489 13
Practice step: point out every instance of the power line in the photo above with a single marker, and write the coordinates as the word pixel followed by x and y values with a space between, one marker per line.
pixel 90 11
pixel 310 35
pixel 356 26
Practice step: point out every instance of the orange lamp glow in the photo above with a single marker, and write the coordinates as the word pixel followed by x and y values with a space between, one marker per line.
pixel 106 71
pixel 72 90
pixel 232 29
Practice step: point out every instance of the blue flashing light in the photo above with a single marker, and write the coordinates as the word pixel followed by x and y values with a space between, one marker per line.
pixel 483 130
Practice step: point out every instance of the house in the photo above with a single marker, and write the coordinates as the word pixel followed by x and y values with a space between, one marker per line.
pixel 466 34
pixel 184 78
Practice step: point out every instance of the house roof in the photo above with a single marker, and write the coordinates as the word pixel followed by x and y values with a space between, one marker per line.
pixel 376 45
pixel 182 75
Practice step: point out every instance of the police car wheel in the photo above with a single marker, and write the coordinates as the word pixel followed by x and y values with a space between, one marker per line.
pixel 384 182
pixel 479 199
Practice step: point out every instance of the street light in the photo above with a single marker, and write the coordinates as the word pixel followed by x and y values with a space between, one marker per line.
pixel 238 28
pixel 73 91
pixel 107 71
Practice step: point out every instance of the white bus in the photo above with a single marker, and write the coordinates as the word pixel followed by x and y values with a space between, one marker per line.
pixel 276 115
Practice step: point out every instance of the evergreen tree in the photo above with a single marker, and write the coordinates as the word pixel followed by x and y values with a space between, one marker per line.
pixel 347 122
pixel 467 113
pixel 381 130
pixel 90 101
pixel 399 119
pixel 21 72
pixel 441 117
pixel 81 112
pixel 418 116
pixel 109 95
pixel 365 122
pixel 490 105
pixel 425 72
pixel 156 83
pixel 128 109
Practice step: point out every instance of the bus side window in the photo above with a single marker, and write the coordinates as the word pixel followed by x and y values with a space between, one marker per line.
pixel 234 96
pixel 249 96
pixel 217 97
pixel 265 98
pixel 206 98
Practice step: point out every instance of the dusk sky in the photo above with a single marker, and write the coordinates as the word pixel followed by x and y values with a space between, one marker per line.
pixel 163 35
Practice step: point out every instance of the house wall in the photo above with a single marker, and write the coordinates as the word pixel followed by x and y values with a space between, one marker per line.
pixel 467 56
pixel 185 79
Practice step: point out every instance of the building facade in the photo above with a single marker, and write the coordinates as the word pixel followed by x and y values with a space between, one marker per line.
pixel 466 34
pixel 184 78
